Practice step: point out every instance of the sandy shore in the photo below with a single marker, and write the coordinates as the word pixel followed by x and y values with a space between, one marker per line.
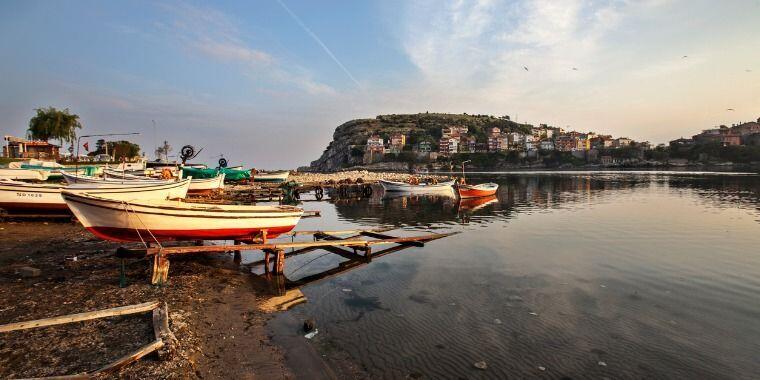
pixel 212 307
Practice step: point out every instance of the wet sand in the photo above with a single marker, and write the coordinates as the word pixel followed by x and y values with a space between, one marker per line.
pixel 212 307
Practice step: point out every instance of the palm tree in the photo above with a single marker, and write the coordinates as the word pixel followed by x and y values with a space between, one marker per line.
pixel 51 123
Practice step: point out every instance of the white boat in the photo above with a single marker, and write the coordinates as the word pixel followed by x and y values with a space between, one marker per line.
pixel 129 166
pixel 119 174
pixel 20 197
pixel 207 185
pixel 24 174
pixel 281 176
pixel 35 162
pixel 176 220
pixel 421 187
pixel 79 179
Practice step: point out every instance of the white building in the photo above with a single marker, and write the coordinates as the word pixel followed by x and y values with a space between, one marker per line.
pixel 546 145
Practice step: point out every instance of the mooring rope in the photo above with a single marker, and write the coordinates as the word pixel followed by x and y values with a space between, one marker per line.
pixel 129 206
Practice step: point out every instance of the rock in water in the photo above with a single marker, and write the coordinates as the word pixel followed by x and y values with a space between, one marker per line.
pixel 481 365
pixel 309 324
pixel 29 272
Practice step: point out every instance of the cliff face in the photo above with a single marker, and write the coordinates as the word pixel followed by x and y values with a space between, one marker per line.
pixel 348 144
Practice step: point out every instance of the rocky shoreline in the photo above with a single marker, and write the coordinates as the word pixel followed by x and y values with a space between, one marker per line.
pixel 354 175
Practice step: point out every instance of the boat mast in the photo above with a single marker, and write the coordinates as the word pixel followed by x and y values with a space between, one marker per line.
pixel 463 178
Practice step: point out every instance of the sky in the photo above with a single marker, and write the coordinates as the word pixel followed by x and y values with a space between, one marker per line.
pixel 265 83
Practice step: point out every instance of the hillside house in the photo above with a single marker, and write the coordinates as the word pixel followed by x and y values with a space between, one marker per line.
pixel 448 145
pixel 565 143
pixel 546 144
pixel 375 144
pixel 423 147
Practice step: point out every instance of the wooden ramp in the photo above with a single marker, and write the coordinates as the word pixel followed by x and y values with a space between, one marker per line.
pixel 357 247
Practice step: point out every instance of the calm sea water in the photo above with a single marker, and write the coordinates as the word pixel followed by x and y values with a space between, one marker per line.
pixel 579 275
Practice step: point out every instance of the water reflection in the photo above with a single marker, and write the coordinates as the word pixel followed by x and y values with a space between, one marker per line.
pixel 653 275
pixel 530 193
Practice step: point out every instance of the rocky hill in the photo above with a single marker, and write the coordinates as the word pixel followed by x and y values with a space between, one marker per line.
pixel 349 140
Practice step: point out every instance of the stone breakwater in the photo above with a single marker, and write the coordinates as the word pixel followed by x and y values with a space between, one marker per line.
pixel 353 175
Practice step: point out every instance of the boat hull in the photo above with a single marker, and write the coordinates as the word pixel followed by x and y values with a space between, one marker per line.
pixel 207 185
pixel 24 198
pixel 271 177
pixel 421 188
pixel 19 197
pixel 477 191
pixel 24 174
pixel 82 179
pixel 165 221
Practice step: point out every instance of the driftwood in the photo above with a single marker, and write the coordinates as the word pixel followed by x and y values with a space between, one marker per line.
pixel 123 310
pixel 162 332
pixel 164 344
pixel 131 357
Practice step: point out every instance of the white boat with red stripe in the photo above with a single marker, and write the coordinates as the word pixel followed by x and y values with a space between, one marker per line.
pixel 158 220
pixel 84 179
pixel 20 197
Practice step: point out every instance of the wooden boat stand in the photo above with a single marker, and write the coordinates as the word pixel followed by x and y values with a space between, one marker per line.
pixel 331 241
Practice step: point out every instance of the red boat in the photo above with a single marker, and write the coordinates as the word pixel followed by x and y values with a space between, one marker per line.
pixel 477 191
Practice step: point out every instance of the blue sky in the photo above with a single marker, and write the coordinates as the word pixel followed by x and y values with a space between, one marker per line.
pixel 266 82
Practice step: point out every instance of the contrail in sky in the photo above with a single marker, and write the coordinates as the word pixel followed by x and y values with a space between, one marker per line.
pixel 319 41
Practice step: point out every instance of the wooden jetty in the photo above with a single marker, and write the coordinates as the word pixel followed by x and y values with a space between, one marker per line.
pixel 357 247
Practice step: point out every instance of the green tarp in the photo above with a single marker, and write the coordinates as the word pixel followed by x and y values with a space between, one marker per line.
pixel 229 174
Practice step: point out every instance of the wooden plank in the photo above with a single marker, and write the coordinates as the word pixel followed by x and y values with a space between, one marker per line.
pixel 123 310
pixel 81 376
pixel 336 232
pixel 343 253
pixel 384 236
pixel 131 357
pixel 326 236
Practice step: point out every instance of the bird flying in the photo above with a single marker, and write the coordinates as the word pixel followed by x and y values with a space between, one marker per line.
pixel 729 109
pixel 526 68
pixel 685 56
pixel 575 68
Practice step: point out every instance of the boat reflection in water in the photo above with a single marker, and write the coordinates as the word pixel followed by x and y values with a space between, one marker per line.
pixel 653 274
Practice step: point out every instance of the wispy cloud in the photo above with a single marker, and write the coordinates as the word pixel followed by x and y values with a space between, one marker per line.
pixel 319 42
pixel 216 35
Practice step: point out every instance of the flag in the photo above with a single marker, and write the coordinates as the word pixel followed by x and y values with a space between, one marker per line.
pixel 86 146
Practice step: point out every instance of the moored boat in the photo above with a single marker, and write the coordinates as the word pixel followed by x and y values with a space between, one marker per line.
pixel 19 197
pixel 24 174
pixel 207 185
pixel 280 176
pixel 79 179
pixel 125 174
pixel 176 220
pixel 477 191
pixel 417 187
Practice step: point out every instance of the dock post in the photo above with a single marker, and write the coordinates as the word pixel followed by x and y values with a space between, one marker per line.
pixel 237 256
pixel 266 261
pixel 368 254
pixel 279 262
pixel 160 272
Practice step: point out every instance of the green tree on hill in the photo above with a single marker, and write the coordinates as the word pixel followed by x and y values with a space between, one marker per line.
pixel 51 123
